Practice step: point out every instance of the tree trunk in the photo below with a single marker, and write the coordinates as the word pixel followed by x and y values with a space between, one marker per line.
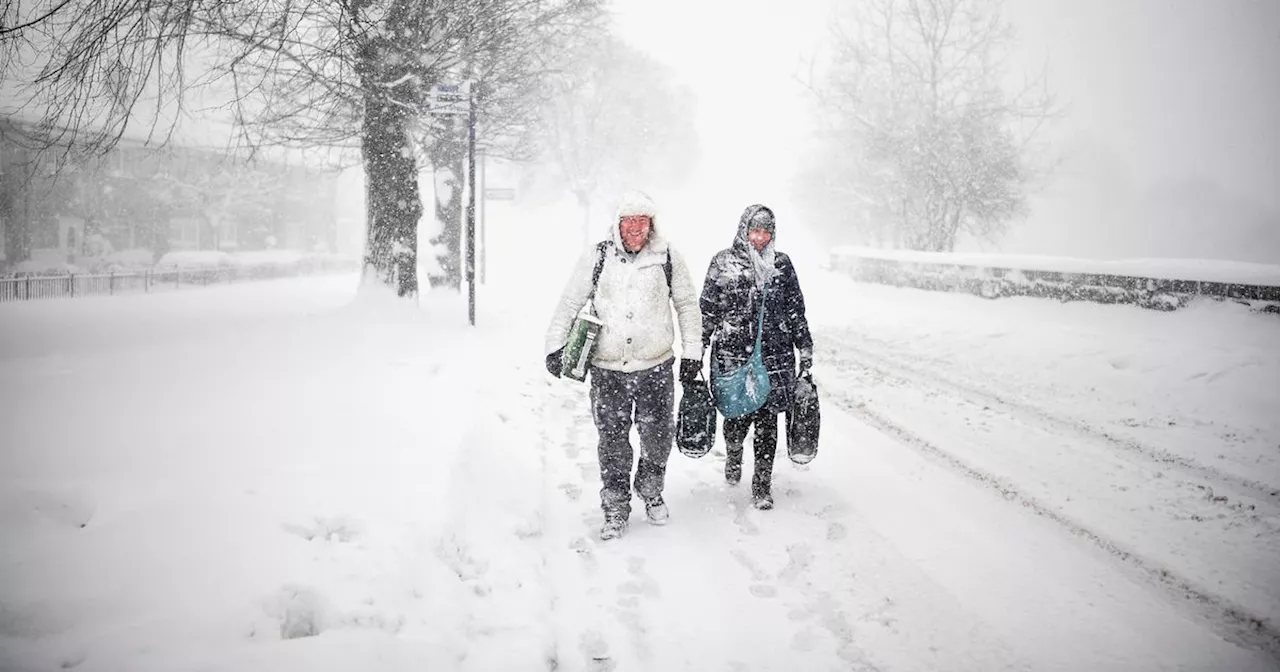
pixel 392 199
pixel 953 229
pixel 446 157
pixel 17 224
pixel 938 220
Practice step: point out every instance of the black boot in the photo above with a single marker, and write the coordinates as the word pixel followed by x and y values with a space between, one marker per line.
pixel 732 464
pixel 766 446
pixel 762 491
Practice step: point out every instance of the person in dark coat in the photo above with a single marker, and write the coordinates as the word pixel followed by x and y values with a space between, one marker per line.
pixel 731 295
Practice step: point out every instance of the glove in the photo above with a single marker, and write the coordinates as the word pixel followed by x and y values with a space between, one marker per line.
pixel 689 369
pixel 806 362
pixel 554 362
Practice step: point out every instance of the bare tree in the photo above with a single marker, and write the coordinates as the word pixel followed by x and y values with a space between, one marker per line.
pixel 920 130
pixel 349 75
pixel 226 193
pixel 615 117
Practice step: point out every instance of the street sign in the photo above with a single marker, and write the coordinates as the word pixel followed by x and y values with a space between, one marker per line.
pixel 448 99
pixel 500 194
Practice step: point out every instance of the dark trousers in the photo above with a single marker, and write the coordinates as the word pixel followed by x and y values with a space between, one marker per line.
pixel 765 421
pixel 647 399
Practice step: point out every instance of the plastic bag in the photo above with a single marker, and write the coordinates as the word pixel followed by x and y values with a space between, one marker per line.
pixel 696 420
pixel 804 421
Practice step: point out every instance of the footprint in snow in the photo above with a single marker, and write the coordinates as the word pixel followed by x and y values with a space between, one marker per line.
pixel 470 570
pixel 799 559
pixel 530 529
pixel 583 549
pixel 760 588
pixel 746 561
pixel 596 652
pixel 337 530
pixel 301 611
pixel 805 639
pixel 800 613
pixel 743 521
pixel 882 614
pixel 641 583
pixel 834 620
pixel 571 490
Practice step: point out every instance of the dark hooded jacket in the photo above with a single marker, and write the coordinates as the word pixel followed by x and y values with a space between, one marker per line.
pixel 730 305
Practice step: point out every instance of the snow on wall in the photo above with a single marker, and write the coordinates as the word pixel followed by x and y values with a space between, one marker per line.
pixel 1162 284
pixel 1199 270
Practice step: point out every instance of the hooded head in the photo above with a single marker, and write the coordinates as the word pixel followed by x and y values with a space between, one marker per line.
pixel 756 229
pixel 636 222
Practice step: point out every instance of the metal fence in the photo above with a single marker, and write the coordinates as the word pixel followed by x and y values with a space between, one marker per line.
pixel 33 287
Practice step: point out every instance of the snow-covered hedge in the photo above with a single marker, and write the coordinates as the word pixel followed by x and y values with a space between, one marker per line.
pixel 1162 284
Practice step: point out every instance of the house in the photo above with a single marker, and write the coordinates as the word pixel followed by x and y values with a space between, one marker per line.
pixel 61 208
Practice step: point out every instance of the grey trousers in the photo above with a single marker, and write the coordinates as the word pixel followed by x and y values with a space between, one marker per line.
pixel 647 399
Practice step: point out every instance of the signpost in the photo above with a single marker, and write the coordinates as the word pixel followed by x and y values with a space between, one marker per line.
pixel 459 99
pixel 483 221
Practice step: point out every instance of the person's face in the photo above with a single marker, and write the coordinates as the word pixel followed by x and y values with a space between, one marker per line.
pixel 759 238
pixel 635 231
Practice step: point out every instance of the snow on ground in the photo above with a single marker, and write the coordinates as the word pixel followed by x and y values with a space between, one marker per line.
pixel 274 476
pixel 1153 434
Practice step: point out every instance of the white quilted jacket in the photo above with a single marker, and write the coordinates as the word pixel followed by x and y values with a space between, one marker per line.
pixel 633 303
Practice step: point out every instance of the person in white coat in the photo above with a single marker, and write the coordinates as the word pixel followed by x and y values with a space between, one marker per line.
pixel 640 278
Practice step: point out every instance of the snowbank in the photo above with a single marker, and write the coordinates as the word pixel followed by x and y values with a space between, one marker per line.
pixel 1202 270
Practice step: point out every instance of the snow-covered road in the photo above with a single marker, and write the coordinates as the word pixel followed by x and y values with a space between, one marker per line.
pixel 1170 470
pixel 268 478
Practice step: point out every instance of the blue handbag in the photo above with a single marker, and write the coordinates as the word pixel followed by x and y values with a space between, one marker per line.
pixel 745 389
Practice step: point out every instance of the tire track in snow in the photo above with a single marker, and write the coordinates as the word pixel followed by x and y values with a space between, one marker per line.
pixel 1217 479
pixel 1239 624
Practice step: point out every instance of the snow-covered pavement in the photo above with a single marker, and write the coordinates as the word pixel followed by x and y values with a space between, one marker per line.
pixel 272 477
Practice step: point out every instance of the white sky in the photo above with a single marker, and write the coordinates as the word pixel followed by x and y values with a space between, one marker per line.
pixel 742 64
pixel 1158 90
